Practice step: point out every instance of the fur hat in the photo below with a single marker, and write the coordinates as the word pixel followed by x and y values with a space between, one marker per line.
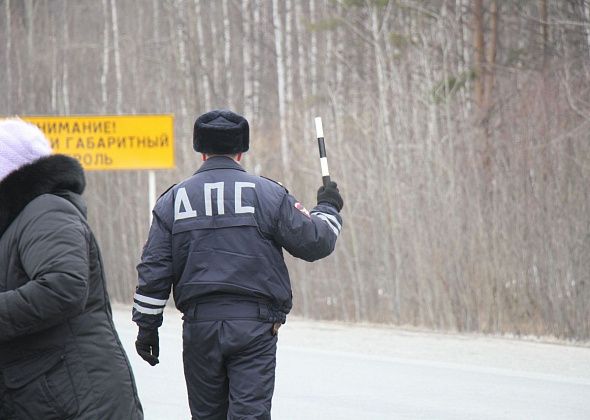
pixel 221 132
pixel 20 143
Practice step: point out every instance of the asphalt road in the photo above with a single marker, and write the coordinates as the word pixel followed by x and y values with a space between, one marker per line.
pixel 339 371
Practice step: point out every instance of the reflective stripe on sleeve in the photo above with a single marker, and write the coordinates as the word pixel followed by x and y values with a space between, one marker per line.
pixel 333 219
pixel 330 220
pixel 149 300
pixel 148 311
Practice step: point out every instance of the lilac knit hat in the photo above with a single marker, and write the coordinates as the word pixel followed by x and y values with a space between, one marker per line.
pixel 20 143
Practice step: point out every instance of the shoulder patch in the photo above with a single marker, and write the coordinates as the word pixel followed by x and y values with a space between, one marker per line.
pixel 302 209
pixel 276 182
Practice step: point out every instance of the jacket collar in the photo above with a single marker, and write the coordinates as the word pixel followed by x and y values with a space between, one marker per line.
pixel 56 174
pixel 220 162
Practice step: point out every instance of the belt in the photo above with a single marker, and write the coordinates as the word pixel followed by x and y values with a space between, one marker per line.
pixel 233 309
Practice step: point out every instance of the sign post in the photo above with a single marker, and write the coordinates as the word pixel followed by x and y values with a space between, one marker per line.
pixel 114 142
pixel 151 193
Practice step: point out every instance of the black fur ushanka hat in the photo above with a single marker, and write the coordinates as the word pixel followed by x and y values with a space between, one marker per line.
pixel 221 132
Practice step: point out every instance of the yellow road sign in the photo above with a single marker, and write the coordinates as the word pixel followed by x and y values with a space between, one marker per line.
pixel 112 142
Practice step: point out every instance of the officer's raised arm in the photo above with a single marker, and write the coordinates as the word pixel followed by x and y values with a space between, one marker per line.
pixel 155 277
pixel 310 235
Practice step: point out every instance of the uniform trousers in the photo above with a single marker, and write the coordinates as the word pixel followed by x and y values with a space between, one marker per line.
pixel 229 364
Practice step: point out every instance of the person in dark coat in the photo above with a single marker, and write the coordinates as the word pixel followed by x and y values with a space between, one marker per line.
pixel 60 356
pixel 217 240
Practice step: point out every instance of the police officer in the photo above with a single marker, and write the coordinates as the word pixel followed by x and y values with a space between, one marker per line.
pixel 217 239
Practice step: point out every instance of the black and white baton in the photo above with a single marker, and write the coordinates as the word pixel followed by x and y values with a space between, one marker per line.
pixel 323 158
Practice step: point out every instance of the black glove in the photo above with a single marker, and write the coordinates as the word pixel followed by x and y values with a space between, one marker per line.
pixel 330 195
pixel 147 345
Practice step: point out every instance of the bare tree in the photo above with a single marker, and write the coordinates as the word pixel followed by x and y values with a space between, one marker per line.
pixel 456 131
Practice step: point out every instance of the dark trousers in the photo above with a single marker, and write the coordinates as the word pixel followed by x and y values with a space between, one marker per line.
pixel 229 367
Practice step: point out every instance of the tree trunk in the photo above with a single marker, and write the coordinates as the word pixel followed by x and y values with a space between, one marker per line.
pixel 313 50
pixel 54 69
pixel 257 60
pixel 182 60
pixel 30 71
pixel 105 57
pixel 247 42
pixel 8 53
pixel 116 50
pixel 203 59
pixel 280 63
pixel 65 73
pixel 478 45
pixel 544 15
pixel 301 50
pixel 491 55
pixel 215 75
pixel 227 40
pixel 288 54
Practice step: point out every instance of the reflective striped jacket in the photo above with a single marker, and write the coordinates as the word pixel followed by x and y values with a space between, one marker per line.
pixel 221 233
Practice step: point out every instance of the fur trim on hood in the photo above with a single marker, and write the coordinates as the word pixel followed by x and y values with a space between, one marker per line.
pixel 47 175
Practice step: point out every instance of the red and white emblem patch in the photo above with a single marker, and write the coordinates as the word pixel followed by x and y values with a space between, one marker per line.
pixel 302 209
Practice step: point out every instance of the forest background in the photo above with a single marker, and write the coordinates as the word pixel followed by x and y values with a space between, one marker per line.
pixel 457 131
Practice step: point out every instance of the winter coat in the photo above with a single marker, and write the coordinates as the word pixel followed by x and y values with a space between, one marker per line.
pixel 60 356
pixel 221 234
